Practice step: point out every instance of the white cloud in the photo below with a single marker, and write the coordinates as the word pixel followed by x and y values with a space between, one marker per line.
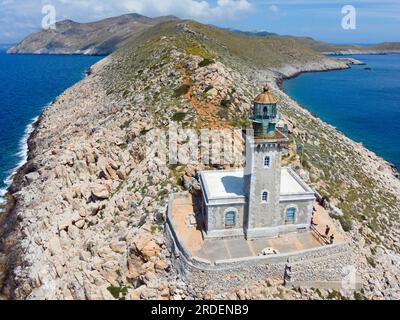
pixel 274 8
pixel 17 15
pixel 182 8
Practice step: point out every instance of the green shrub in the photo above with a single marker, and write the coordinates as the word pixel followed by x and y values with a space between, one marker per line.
pixel 371 262
pixel 305 164
pixel 125 124
pixel 179 116
pixel 208 88
pixel 335 295
pixel 182 90
pixel 206 62
pixel 118 292
pixel 359 296
pixel 225 103
pixel 200 52
pixel 144 131
pixel 346 222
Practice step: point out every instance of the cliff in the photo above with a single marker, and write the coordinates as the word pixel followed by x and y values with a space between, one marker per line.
pixel 87 211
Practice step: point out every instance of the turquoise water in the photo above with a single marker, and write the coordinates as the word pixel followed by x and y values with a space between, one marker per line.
pixel 363 104
pixel 27 84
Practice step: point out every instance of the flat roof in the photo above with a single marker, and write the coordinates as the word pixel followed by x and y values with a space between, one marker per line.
pixel 225 184
pixel 222 184
pixel 290 183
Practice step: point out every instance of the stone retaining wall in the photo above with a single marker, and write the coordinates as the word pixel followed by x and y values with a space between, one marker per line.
pixel 318 267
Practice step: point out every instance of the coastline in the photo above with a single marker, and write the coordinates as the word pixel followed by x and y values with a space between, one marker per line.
pixel 23 155
pixel 55 54
pixel 356 53
pixel 279 81
pixel 10 231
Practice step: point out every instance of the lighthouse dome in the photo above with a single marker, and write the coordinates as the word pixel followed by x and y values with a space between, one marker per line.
pixel 265 97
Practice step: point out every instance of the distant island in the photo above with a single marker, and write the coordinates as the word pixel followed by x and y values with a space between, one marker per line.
pixel 105 36
pixel 93 38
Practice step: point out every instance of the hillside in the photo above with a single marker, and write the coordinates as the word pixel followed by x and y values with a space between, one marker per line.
pixel 95 228
pixel 94 38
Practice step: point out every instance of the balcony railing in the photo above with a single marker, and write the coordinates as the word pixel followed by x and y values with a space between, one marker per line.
pixel 319 236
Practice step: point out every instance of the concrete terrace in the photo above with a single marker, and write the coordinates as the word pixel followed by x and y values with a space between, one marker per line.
pixel 190 235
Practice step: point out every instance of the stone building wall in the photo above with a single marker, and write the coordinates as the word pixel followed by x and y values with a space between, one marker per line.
pixel 304 209
pixel 324 267
pixel 261 179
pixel 216 220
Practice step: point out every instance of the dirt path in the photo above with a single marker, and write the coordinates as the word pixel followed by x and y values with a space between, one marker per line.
pixel 207 112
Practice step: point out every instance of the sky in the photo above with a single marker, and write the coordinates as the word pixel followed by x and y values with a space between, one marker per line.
pixel 375 21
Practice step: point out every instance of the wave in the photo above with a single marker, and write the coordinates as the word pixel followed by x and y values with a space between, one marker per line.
pixel 22 159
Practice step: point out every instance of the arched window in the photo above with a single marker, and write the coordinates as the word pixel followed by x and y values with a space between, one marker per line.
pixel 264 196
pixel 267 161
pixel 230 219
pixel 290 215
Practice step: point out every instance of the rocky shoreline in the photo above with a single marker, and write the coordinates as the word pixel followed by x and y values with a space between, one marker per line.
pixel 85 213
pixel 9 234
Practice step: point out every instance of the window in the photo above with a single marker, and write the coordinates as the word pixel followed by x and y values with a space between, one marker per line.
pixel 267 161
pixel 290 215
pixel 230 219
pixel 265 112
pixel 264 197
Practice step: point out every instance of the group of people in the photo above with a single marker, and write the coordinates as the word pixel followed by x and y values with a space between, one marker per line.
pixel 330 238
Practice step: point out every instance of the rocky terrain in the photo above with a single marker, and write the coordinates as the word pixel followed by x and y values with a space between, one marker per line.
pixel 86 213
pixel 93 38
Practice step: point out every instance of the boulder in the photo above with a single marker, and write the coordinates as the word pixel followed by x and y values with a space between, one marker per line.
pixel 73 232
pixel 80 224
pixel 161 265
pixel 30 177
pixel 146 246
pixel 65 222
pixel 118 246
pixel 54 246
pixel 101 192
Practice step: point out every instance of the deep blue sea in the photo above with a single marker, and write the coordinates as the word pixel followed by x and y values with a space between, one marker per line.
pixel 27 84
pixel 363 104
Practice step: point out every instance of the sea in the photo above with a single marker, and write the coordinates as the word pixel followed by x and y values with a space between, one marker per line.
pixel 28 83
pixel 362 102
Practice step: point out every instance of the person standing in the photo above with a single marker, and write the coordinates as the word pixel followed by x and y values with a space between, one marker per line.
pixel 288 274
pixel 313 222
pixel 327 230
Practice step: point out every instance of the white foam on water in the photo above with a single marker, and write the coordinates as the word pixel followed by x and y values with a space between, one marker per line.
pixel 2 194
pixel 22 158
